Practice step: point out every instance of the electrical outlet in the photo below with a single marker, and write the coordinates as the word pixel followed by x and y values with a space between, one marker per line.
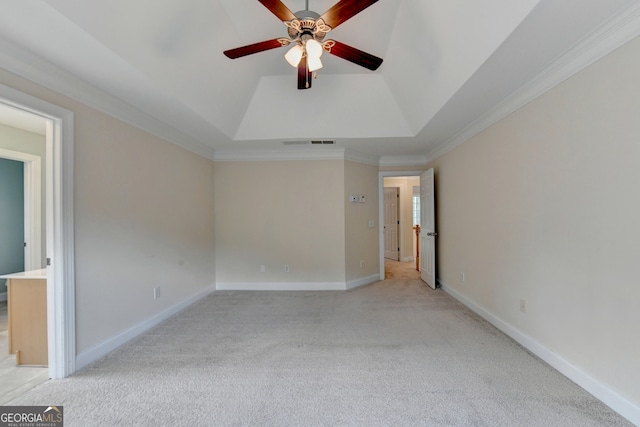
pixel 286 268
pixel 523 306
pixel 156 292
pixel 263 268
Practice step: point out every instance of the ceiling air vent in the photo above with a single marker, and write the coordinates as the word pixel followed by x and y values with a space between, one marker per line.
pixel 323 142
pixel 296 142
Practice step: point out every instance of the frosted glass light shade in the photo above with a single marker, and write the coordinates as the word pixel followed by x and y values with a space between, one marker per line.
pixel 314 48
pixel 294 56
pixel 313 62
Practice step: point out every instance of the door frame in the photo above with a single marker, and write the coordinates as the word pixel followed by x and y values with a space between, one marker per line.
pixel 61 330
pixel 32 183
pixel 381 176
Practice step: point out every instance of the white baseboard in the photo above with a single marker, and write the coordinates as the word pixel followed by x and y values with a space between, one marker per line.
pixel 3 296
pixel 302 286
pixel 298 286
pixel 363 281
pixel 103 348
pixel 601 391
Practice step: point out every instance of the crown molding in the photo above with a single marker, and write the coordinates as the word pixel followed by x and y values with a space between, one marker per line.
pixel 294 153
pixel 32 67
pixel 610 36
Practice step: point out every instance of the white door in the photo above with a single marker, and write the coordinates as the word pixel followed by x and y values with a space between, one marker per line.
pixel 391 247
pixel 427 229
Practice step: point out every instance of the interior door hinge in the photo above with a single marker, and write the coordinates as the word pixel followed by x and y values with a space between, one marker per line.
pixel 48 261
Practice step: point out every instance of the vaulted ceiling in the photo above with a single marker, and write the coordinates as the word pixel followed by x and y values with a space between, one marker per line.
pixel 447 63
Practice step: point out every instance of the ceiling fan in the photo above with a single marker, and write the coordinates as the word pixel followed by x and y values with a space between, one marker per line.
pixel 307 31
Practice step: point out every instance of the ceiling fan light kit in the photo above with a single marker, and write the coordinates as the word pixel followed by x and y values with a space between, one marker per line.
pixel 306 30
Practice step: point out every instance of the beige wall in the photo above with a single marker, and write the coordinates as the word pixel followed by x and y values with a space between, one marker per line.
pixel 544 206
pixel 23 141
pixel 361 241
pixel 274 213
pixel 143 218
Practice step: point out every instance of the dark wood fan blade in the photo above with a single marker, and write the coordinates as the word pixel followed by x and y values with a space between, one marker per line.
pixel 279 9
pixel 252 48
pixel 304 75
pixel 352 54
pixel 343 10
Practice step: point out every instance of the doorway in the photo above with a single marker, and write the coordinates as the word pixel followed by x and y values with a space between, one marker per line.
pixel 391 223
pixel 22 152
pixel 404 186
pixel 58 124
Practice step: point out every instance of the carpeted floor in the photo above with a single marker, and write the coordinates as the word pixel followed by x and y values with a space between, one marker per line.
pixel 393 353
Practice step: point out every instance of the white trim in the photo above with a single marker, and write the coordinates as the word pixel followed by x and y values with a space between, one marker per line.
pixel 105 347
pixel 32 206
pixel 598 389
pixel 3 296
pixel 298 286
pixel 59 219
pixel 316 153
pixel 31 67
pixel 609 37
pixel 283 286
pixel 293 153
pixel 363 281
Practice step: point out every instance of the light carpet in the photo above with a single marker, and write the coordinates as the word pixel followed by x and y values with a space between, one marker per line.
pixel 394 353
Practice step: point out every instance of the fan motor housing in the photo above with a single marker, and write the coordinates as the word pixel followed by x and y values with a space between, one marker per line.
pixel 307 23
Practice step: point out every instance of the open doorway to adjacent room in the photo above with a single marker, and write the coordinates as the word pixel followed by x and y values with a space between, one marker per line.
pixel 39 135
pixel 22 228
pixel 399 216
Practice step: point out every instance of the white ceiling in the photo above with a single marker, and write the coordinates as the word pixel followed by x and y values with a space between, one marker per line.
pixel 446 64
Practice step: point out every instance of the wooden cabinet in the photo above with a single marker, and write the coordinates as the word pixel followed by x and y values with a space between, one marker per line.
pixel 27 318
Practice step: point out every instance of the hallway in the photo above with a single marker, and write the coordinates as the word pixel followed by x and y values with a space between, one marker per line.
pixel 400 270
